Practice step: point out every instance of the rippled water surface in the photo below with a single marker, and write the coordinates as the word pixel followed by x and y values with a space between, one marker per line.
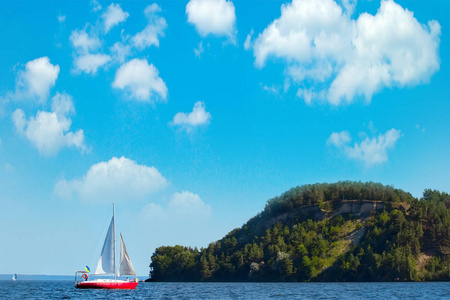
pixel 66 290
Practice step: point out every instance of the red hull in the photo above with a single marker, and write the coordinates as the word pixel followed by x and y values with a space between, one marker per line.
pixel 123 285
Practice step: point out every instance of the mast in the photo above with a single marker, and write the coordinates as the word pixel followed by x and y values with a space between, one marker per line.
pixel 114 233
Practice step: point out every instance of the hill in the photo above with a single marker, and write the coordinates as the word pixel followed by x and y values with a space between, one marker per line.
pixel 345 231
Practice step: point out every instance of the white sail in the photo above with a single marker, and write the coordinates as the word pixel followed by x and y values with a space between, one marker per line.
pixel 106 263
pixel 125 265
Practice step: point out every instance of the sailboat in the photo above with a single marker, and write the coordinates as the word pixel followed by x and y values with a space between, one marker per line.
pixel 107 265
pixel 14 277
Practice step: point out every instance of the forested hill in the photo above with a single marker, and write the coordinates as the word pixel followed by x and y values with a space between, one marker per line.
pixel 345 231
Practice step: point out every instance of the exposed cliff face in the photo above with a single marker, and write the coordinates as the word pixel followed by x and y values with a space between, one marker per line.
pixel 361 208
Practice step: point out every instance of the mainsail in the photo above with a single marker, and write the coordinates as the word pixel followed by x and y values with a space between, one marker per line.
pixel 125 265
pixel 106 263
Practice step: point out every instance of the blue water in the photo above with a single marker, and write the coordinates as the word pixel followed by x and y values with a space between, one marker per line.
pixel 66 290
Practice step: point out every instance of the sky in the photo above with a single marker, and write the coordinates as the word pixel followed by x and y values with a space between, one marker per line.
pixel 190 115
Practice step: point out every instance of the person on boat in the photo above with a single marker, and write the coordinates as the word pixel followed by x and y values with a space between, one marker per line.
pixel 128 279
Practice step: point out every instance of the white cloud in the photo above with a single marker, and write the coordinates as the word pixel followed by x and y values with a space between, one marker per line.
pixel 349 6
pixel 153 211
pixel 152 9
pixel 339 138
pixel 215 17
pixel 308 95
pixel 120 52
pixel 95 5
pixel 83 42
pixel 37 79
pixel 189 203
pixel 18 118
pixel 352 58
pixel 199 116
pixel 87 59
pixel 49 131
pixel 199 50
pixel 89 63
pixel 270 89
pixel 119 179
pixel 185 205
pixel 187 219
pixel 113 16
pixel 141 81
pixel 388 54
pixel 370 151
pixel 61 18
pixel 306 28
pixel 248 40
pixel 154 29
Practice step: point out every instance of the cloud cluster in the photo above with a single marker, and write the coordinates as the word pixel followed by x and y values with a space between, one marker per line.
pixel 349 58
pixel 49 131
pixel 182 205
pixel 36 80
pixel 119 179
pixel 216 17
pixel 153 31
pixel 87 45
pixel 87 58
pixel 136 77
pixel 370 151
pixel 199 116
pixel 141 81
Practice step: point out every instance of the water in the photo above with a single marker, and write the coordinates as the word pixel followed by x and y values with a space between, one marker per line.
pixel 353 291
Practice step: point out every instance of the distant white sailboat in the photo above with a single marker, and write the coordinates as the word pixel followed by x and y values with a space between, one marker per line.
pixel 107 265
pixel 14 278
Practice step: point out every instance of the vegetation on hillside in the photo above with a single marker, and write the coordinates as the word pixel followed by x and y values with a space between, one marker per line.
pixel 407 240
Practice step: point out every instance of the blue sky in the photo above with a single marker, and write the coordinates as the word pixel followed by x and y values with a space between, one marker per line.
pixel 191 115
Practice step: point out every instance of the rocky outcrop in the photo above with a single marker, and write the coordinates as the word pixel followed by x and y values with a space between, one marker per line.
pixel 361 208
